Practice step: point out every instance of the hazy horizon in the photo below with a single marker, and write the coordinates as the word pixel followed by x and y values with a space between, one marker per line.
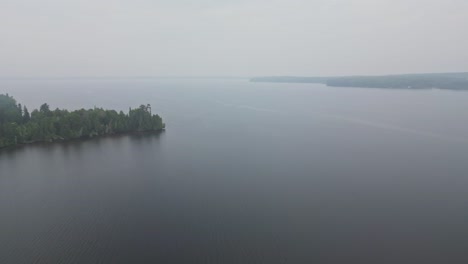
pixel 57 39
pixel 202 76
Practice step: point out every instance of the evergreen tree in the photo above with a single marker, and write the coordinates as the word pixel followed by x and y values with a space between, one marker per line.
pixel 26 115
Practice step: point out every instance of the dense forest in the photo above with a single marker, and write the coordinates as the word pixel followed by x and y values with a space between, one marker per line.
pixel 19 126
pixel 449 81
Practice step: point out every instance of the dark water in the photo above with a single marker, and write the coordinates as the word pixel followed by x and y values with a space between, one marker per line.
pixel 245 173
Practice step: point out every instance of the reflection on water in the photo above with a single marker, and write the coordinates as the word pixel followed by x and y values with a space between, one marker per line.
pixel 146 138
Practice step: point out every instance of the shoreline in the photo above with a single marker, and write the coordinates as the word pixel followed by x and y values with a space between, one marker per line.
pixel 82 139
pixel 455 81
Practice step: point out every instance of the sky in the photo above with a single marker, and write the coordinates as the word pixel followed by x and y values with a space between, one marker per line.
pixel 120 38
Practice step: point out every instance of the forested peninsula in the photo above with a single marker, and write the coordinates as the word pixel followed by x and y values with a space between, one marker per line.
pixel 448 81
pixel 19 126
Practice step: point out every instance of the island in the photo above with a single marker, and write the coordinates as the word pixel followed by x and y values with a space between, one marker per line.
pixel 449 81
pixel 19 126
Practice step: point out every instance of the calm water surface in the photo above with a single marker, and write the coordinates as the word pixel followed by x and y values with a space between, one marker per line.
pixel 244 173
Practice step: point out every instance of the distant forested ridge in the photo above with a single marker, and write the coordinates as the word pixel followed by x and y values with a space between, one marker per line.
pixel 19 126
pixel 450 81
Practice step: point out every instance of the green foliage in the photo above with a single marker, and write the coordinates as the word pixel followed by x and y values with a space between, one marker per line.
pixel 18 126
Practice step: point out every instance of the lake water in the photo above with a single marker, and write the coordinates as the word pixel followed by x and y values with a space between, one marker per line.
pixel 245 173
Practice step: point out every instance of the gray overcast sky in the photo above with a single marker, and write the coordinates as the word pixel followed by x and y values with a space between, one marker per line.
pixel 231 38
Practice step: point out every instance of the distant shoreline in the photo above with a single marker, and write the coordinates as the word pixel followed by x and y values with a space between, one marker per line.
pixel 445 81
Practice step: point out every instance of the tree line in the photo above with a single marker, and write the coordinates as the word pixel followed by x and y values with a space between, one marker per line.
pixel 450 81
pixel 19 126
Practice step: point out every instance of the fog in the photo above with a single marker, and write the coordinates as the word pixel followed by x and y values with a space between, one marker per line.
pixel 56 38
